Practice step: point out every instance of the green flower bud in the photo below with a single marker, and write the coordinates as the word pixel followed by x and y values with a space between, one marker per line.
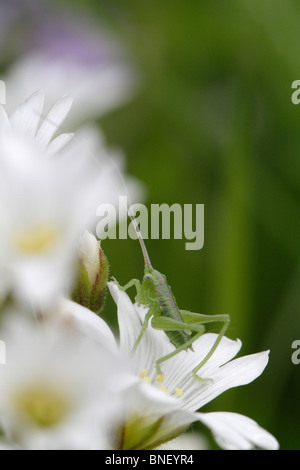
pixel 89 289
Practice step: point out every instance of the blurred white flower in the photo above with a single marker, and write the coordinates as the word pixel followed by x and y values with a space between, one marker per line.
pixel 67 55
pixel 87 323
pixel 90 141
pixel 56 387
pixel 47 203
pixel 159 408
pixel 28 122
pixel 4 445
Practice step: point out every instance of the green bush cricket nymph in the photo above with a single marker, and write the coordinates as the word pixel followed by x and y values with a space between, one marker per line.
pixel 181 326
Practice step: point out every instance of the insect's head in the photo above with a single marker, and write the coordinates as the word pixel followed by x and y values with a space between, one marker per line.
pixel 148 277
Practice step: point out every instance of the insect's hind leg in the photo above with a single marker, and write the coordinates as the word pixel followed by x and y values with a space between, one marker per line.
pixel 169 324
pixel 192 317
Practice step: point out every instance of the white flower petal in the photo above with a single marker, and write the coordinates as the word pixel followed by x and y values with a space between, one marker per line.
pixel 179 367
pixel 4 121
pixel 58 143
pixel 239 372
pixel 233 431
pixel 54 119
pixel 88 323
pixel 39 281
pixel 89 248
pixel 243 370
pixel 153 345
pixel 226 350
pixel 26 118
pixel 143 400
pixel 129 322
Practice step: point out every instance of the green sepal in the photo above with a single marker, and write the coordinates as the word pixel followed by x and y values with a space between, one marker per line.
pixel 82 288
pixel 98 292
pixel 136 432
pixel 145 433
pixel 91 296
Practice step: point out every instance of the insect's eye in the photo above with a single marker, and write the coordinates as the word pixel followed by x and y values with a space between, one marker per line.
pixel 148 277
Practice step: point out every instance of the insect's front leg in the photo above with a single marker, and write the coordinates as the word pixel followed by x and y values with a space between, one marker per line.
pixel 134 282
pixel 143 330
pixel 139 290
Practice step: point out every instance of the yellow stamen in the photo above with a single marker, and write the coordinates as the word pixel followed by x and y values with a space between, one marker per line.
pixel 144 375
pixel 179 392
pixel 44 406
pixel 37 239
pixel 164 389
pixel 160 378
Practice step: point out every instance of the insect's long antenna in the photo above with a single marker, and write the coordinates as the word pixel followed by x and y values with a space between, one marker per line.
pixel 141 240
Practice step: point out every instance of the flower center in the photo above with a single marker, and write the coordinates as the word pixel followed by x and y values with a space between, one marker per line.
pixel 36 239
pixel 143 429
pixel 44 406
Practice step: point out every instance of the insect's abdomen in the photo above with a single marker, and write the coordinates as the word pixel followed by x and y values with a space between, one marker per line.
pixel 169 308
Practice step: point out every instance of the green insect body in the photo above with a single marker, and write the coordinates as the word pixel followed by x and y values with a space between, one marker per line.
pixel 162 303
pixel 181 326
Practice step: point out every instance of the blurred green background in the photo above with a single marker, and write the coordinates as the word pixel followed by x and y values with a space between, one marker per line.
pixel 213 123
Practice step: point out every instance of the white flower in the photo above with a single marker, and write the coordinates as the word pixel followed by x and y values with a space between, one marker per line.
pixel 56 387
pixel 47 203
pixel 158 408
pixel 44 206
pixel 80 58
